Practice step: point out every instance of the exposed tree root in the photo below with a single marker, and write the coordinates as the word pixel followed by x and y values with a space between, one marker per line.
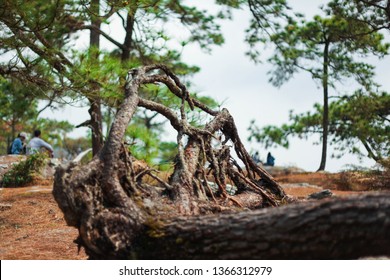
pixel 108 202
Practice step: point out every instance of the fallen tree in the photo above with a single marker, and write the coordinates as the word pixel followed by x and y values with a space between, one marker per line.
pixel 334 229
pixel 119 216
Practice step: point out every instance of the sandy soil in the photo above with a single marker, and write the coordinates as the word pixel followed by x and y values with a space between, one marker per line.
pixel 32 226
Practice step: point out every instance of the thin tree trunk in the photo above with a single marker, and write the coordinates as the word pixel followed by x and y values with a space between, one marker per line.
pixel 95 106
pixel 129 35
pixel 9 142
pixel 13 128
pixel 370 152
pixel 325 116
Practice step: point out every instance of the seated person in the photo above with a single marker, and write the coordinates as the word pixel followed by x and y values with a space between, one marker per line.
pixel 36 144
pixel 256 158
pixel 18 144
pixel 270 160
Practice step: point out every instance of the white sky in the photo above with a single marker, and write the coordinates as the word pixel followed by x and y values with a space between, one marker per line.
pixel 228 75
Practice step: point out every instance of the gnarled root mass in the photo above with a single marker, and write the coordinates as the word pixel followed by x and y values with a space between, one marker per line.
pixel 116 213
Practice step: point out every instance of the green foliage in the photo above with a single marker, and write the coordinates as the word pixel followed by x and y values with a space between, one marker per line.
pixel 15 107
pixel 268 17
pixel 43 39
pixel 146 143
pixel 17 110
pixel 106 72
pixel 375 13
pixel 202 25
pixel 331 42
pixel 269 136
pixel 25 171
pixel 362 118
pixel 42 36
pixel 356 122
pixel 168 152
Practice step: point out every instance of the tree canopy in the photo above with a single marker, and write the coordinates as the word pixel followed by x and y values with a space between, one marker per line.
pixel 43 40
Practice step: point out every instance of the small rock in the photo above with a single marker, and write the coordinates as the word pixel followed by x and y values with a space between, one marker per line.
pixel 320 195
pixel 4 207
pixel 23 237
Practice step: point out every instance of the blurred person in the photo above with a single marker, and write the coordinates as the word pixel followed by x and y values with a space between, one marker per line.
pixel 270 160
pixel 18 145
pixel 256 158
pixel 36 144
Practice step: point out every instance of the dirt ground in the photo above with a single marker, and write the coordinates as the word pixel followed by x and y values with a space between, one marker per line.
pixel 32 226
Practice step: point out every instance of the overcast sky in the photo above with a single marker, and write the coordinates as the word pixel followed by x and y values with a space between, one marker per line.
pixel 230 77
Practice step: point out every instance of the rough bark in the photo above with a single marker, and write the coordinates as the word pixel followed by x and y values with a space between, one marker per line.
pixel 349 228
pixel 96 124
pixel 96 121
pixel 120 217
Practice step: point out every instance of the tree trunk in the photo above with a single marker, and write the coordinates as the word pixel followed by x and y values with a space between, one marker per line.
pixel 129 35
pixel 96 123
pixel 348 228
pixel 370 152
pixel 325 115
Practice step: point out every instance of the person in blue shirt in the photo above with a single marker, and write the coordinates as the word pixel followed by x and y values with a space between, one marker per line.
pixel 18 144
pixel 270 160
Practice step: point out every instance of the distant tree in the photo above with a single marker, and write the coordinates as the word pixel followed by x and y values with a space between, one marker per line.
pixel 327 48
pixel 360 120
pixel 17 110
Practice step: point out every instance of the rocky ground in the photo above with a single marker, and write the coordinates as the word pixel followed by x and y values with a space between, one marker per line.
pixel 32 225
